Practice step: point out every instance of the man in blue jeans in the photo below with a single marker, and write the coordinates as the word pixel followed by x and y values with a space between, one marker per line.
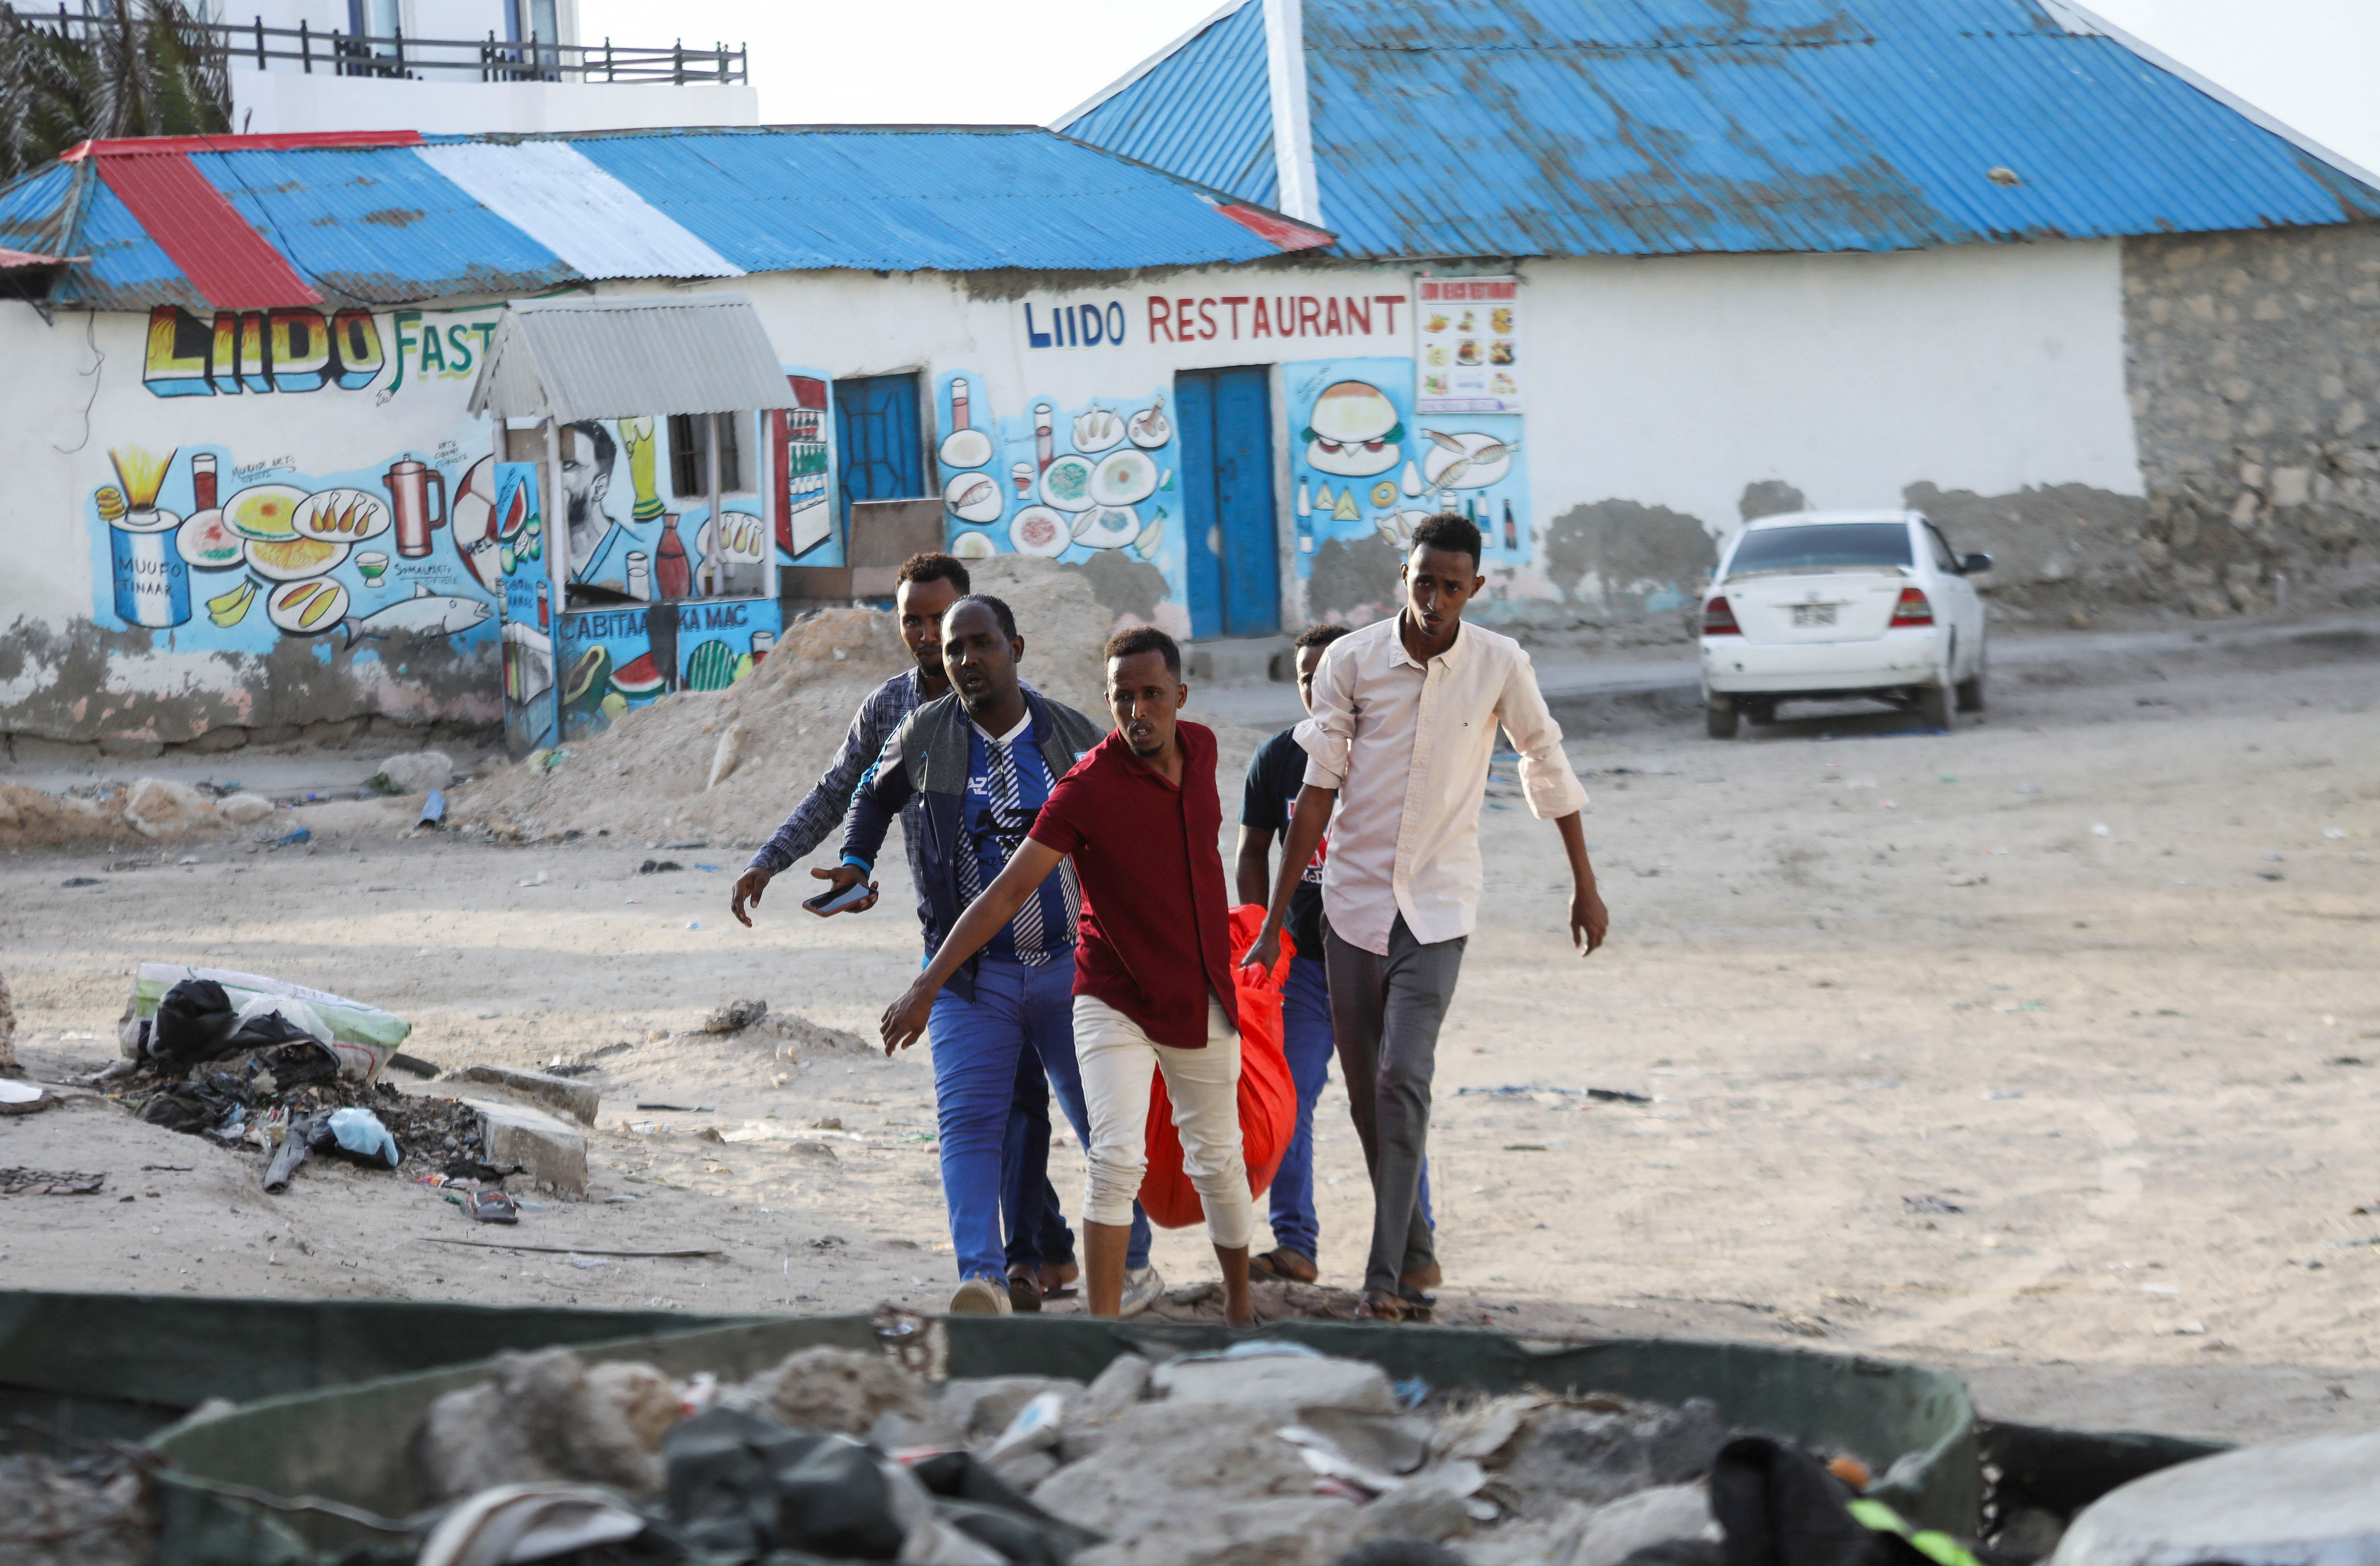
pixel 980 762
pixel 1276 774
pixel 1040 1247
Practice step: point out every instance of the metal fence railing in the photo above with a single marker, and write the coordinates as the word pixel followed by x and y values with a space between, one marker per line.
pixel 488 59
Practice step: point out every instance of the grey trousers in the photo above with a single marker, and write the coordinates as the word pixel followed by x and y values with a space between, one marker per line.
pixel 1385 1014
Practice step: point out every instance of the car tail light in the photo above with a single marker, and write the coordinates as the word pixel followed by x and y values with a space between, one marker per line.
pixel 1912 610
pixel 1719 620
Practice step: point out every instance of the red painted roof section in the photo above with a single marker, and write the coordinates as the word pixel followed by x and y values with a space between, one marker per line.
pixel 12 260
pixel 281 141
pixel 1286 233
pixel 223 258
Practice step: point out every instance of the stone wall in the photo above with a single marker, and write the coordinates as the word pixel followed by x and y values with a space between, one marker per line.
pixel 2254 366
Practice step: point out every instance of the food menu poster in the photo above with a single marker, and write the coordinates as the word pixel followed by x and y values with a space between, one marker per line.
pixel 1467 344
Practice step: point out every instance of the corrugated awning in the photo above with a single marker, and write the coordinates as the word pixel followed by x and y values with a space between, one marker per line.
pixel 572 360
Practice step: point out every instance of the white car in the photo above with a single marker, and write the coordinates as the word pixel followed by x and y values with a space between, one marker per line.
pixel 1826 604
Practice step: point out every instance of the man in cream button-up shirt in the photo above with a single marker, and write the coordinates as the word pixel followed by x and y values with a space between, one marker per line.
pixel 1405 714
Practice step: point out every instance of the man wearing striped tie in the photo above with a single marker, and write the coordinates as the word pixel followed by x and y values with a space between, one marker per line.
pixel 981 761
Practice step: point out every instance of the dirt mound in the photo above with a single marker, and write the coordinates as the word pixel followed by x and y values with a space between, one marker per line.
pixel 727 768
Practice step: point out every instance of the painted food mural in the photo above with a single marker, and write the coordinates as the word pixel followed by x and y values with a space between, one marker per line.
pixel 1063 482
pixel 1364 465
pixel 276 554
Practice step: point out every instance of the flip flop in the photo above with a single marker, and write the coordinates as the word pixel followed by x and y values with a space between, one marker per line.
pixel 1024 1290
pixel 492 1207
pixel 1282 1265
pixel 1378 1305
pixel 1058 1280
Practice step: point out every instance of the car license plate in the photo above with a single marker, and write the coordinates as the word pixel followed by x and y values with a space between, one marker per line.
pixel 1814 613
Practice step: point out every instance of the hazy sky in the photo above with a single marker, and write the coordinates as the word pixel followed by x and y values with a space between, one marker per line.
pixel 2309 62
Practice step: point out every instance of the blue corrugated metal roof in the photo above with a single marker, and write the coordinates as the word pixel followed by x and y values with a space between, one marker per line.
pixel 1494 128
pixel 900 200
pixel 382 225
pixel 127 269
pixel 1209 118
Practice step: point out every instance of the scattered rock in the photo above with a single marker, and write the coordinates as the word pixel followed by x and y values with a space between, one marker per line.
pixel 983 1406
pixel 828 1389
pixel 1285 1386
pixel 159 808
pixel 726 754
pixel 546 1415
pixel 1111 1392
pixel 1162 1463
pixel 1605 1536
pixel 1306 1531
pixel 416 771
pixel 576 1099
pixel 244 810
pixel 735 1016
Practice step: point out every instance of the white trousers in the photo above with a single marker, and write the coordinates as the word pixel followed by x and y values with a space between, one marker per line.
pixel 1116 1058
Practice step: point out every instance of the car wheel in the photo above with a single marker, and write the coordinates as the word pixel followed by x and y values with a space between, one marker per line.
pixel 1934 706
pixel 1720 717
pixel 1971 692
pixel 1760 713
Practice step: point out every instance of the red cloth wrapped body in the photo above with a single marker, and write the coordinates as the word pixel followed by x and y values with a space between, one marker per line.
pixel 1267 1094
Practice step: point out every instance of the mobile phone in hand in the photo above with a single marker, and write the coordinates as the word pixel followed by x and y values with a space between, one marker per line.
pixel 833 902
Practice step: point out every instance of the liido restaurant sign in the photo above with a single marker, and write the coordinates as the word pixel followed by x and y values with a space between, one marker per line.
pixel 1378 320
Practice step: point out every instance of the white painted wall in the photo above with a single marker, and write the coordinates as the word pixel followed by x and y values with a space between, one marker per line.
pixel 281 101
pixel 1676 381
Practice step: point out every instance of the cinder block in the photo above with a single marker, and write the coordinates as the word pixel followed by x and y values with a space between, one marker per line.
pixel 551 1151
pixel 576 1099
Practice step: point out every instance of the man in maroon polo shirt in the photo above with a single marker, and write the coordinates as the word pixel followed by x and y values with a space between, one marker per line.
pixel 1140 817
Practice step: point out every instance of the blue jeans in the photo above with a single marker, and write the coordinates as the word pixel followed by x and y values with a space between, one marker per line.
pixel 1305 1040
pixel 977 1044
pixel 1035 1224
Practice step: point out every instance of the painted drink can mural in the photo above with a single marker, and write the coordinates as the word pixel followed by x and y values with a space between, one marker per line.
pixel 243 557
pixel 1067 482
pixel 1365 466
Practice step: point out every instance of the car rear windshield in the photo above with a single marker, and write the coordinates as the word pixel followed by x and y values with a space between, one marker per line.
pixel 1823 546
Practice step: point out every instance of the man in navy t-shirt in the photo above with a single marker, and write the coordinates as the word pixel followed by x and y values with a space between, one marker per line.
pixel 1275 775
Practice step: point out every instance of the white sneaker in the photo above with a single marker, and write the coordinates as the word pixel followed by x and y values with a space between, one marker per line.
pixel 981 1296
pixel 1141 1288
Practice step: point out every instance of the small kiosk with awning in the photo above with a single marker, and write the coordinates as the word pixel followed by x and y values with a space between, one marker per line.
pixel 610 601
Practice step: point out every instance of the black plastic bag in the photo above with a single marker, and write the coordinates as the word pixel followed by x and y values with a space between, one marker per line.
pixel 197 1022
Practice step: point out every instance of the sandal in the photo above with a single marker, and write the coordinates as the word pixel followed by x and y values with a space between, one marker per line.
pixel 491 1206
pixel 1282 1265
pixel 1058 1280
pixel 1378 1305
pixel 1024 1289
pixel 1419 1307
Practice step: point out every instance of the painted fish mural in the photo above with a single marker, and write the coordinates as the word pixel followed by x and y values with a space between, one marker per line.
pixel 424 615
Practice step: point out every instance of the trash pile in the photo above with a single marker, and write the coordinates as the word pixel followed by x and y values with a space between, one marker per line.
pixel 88 1508
pixel 1266 1452
pixel 726 767
pixel 262 1066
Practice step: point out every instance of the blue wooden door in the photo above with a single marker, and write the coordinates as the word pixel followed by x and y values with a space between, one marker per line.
pixel 878 449
pixel 1234 563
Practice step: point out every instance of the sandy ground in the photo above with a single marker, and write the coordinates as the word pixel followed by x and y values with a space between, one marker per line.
pixel 2035 1049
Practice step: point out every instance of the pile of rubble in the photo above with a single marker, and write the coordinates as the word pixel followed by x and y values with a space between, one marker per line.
pixel 1267 1452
